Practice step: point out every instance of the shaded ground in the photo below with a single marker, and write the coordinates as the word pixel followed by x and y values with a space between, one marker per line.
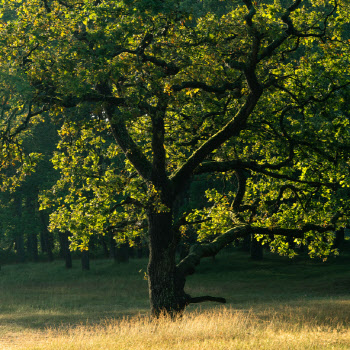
pixel 38 296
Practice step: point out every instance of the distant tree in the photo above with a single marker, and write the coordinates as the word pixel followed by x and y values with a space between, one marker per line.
pixel 64 249
pixel 258 94
pixel 85 260
pixel 20 207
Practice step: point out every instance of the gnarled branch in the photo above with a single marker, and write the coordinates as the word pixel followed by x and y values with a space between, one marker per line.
pixel 231 129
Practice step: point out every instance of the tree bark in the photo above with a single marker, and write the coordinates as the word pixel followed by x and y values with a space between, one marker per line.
pixel 256 249
pixel 165 293
pixel 45 239
pixel 32 238
pixel 139 248
pixel 339 238
pixel 112 246
pixel 122 253
pixel 104 247
pixel 19 240
pixel 65 249
pixel 85 260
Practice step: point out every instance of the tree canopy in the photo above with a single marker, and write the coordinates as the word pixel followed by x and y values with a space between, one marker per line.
pixel 154 96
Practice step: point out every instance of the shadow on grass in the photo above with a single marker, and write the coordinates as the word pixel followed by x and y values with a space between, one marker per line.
pixel 40 296
pixel 42 320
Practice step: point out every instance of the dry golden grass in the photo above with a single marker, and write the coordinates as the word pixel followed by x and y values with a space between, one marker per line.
pixel 272 304
pixel 223 328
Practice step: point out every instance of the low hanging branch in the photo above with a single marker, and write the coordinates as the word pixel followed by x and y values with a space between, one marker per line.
pixel 187 265
pixel 197 252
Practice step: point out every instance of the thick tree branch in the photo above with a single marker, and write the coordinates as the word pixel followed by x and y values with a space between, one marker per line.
pixel 47 7
pixel 183 221
pixel 169 68
pixel 131 150
pixel 197 252
pixel 269 50
pixel 259 168
pixel 238 123
pixel 231 129
pixel 120 133
pixel 242 182
pixel 252 11
pixel 159 176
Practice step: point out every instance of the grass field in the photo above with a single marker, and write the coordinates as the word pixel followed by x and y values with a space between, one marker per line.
pixel 276 303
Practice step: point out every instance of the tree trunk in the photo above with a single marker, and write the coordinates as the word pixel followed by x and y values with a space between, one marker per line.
pixel 256 249
pixel 85 260
pixel 339 238
pixel 112 246
pixel 45 239
pixel 19 246
pixel 139 253
pixel 32 246
pixel 19 240
pixel 139 250
pixel 64 242
pixel 122 253
pixel 246 243
pixel 165 293
pixel 32 238
pixel 104 247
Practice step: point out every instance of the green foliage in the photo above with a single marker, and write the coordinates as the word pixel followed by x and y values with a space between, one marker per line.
pixel 147 90
pixel 14 108
pixel 91 184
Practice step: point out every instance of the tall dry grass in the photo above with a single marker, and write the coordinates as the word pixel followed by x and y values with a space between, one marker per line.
pixel 272 304
pixel 224 328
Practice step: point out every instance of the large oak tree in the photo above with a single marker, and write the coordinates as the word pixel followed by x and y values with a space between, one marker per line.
pixel 154 97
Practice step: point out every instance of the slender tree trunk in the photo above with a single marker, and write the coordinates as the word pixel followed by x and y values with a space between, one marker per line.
pixel 122 253
pixel 139 250
pixel 112 246
pixel 32 238
pixel 46 244
pixel 131 251
pixel 19 240
pixel 85 260
pixel 64 242
pixel 166 294
pixel 256 249
pixel 246 243
pixel 20 248
pixel 32 246
pixel 339 238
pixel 104 246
